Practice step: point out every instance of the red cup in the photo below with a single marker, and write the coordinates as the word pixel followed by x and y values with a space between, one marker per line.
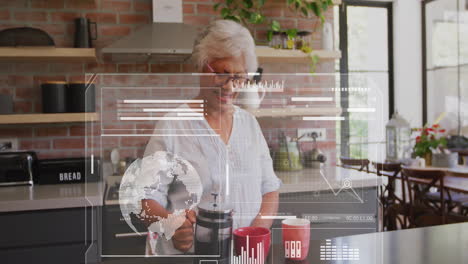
pixel 258 238
pixel 296 238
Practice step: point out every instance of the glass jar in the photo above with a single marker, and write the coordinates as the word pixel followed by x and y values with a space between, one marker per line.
pixel 303 39
pixel 276 40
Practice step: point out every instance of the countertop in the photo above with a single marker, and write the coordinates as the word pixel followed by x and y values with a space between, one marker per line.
pixel 43 197
pixel 430 245
pixel 327 178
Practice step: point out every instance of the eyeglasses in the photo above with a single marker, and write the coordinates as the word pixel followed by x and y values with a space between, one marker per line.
pixel 222 79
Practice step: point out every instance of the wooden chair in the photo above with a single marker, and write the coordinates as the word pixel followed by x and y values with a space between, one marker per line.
pixel 387 194
pixel 464 209
pixel 424 211
pixel 359 164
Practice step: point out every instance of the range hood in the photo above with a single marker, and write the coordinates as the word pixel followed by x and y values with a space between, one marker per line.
pixel 167 39
pixel 160 41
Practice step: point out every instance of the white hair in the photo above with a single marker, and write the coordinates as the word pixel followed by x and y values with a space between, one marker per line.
pixel 224 39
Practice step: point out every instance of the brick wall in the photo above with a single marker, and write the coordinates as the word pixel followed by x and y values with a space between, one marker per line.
pixel 115 18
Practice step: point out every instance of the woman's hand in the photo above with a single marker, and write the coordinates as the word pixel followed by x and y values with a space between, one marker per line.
pixel 269 207
pixel 183 236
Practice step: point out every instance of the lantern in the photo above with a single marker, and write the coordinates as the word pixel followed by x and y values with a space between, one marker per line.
pixel 398 133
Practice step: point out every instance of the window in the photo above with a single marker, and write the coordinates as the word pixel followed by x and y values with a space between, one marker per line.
pixel 365 40
pixel 445 62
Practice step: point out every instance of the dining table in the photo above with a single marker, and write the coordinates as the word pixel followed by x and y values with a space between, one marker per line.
pixel 453 180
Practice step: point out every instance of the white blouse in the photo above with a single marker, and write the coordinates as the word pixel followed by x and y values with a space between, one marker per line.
pixel 240 171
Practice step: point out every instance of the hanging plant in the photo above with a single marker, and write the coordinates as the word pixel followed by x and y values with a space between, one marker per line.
pixel 246 12
pixel 249 12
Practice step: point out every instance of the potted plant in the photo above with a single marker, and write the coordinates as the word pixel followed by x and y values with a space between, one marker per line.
pixel 430 138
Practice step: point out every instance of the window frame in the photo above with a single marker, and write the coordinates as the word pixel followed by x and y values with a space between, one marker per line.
pixel 344 66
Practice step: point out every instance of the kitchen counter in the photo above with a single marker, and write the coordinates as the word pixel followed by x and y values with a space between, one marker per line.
pixel 44 197
pixel 328 178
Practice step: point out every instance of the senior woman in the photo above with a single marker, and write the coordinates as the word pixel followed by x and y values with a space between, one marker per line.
pixel 236 162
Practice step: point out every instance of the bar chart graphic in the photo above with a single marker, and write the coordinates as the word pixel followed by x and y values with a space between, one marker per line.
pixel 330 251
pixel 255 256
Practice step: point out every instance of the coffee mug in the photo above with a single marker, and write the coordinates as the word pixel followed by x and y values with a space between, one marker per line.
pixel 252 242
pixel 296 238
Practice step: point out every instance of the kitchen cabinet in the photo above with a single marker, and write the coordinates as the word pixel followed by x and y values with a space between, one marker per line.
pixel 69 236
pixel 51 223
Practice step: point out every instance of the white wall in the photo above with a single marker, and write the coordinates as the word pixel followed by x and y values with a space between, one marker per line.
pixel 407 46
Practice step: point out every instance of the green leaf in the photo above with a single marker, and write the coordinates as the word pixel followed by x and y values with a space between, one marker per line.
pixel 292 33
pixel 314 7
pixel 269 35
pixel 322 18
pixel 225 12
pixel 216 6
pixel 247 3
pixel 228 2
pixel 275 25
pixel 291 1
pixel 234 18
pixel 260 3
pixel 256 18
pixel 304 11
pixel 245 13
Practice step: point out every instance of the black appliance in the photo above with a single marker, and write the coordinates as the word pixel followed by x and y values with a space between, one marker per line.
pixel 83 33
pixel 68 170
pixel 17 168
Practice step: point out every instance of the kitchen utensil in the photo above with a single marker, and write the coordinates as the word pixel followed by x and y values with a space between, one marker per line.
pixel 6 104
pixel 296 238
pixel 25 36
pixel 253 243
pixel 17 168
pixel 314 158
pixel 287 158
pixel 83 33
pixel 54 97
pixel 213 231
pixel 81 97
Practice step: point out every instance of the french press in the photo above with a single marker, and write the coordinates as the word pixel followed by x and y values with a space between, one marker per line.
pixel 213 231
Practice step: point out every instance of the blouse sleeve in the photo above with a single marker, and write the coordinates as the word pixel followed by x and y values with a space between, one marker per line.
pixel 270 182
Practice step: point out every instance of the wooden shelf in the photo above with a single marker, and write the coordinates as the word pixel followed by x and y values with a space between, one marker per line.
pixel 267 54
pixel 293 112
pixel 47 54
pixel 48 118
